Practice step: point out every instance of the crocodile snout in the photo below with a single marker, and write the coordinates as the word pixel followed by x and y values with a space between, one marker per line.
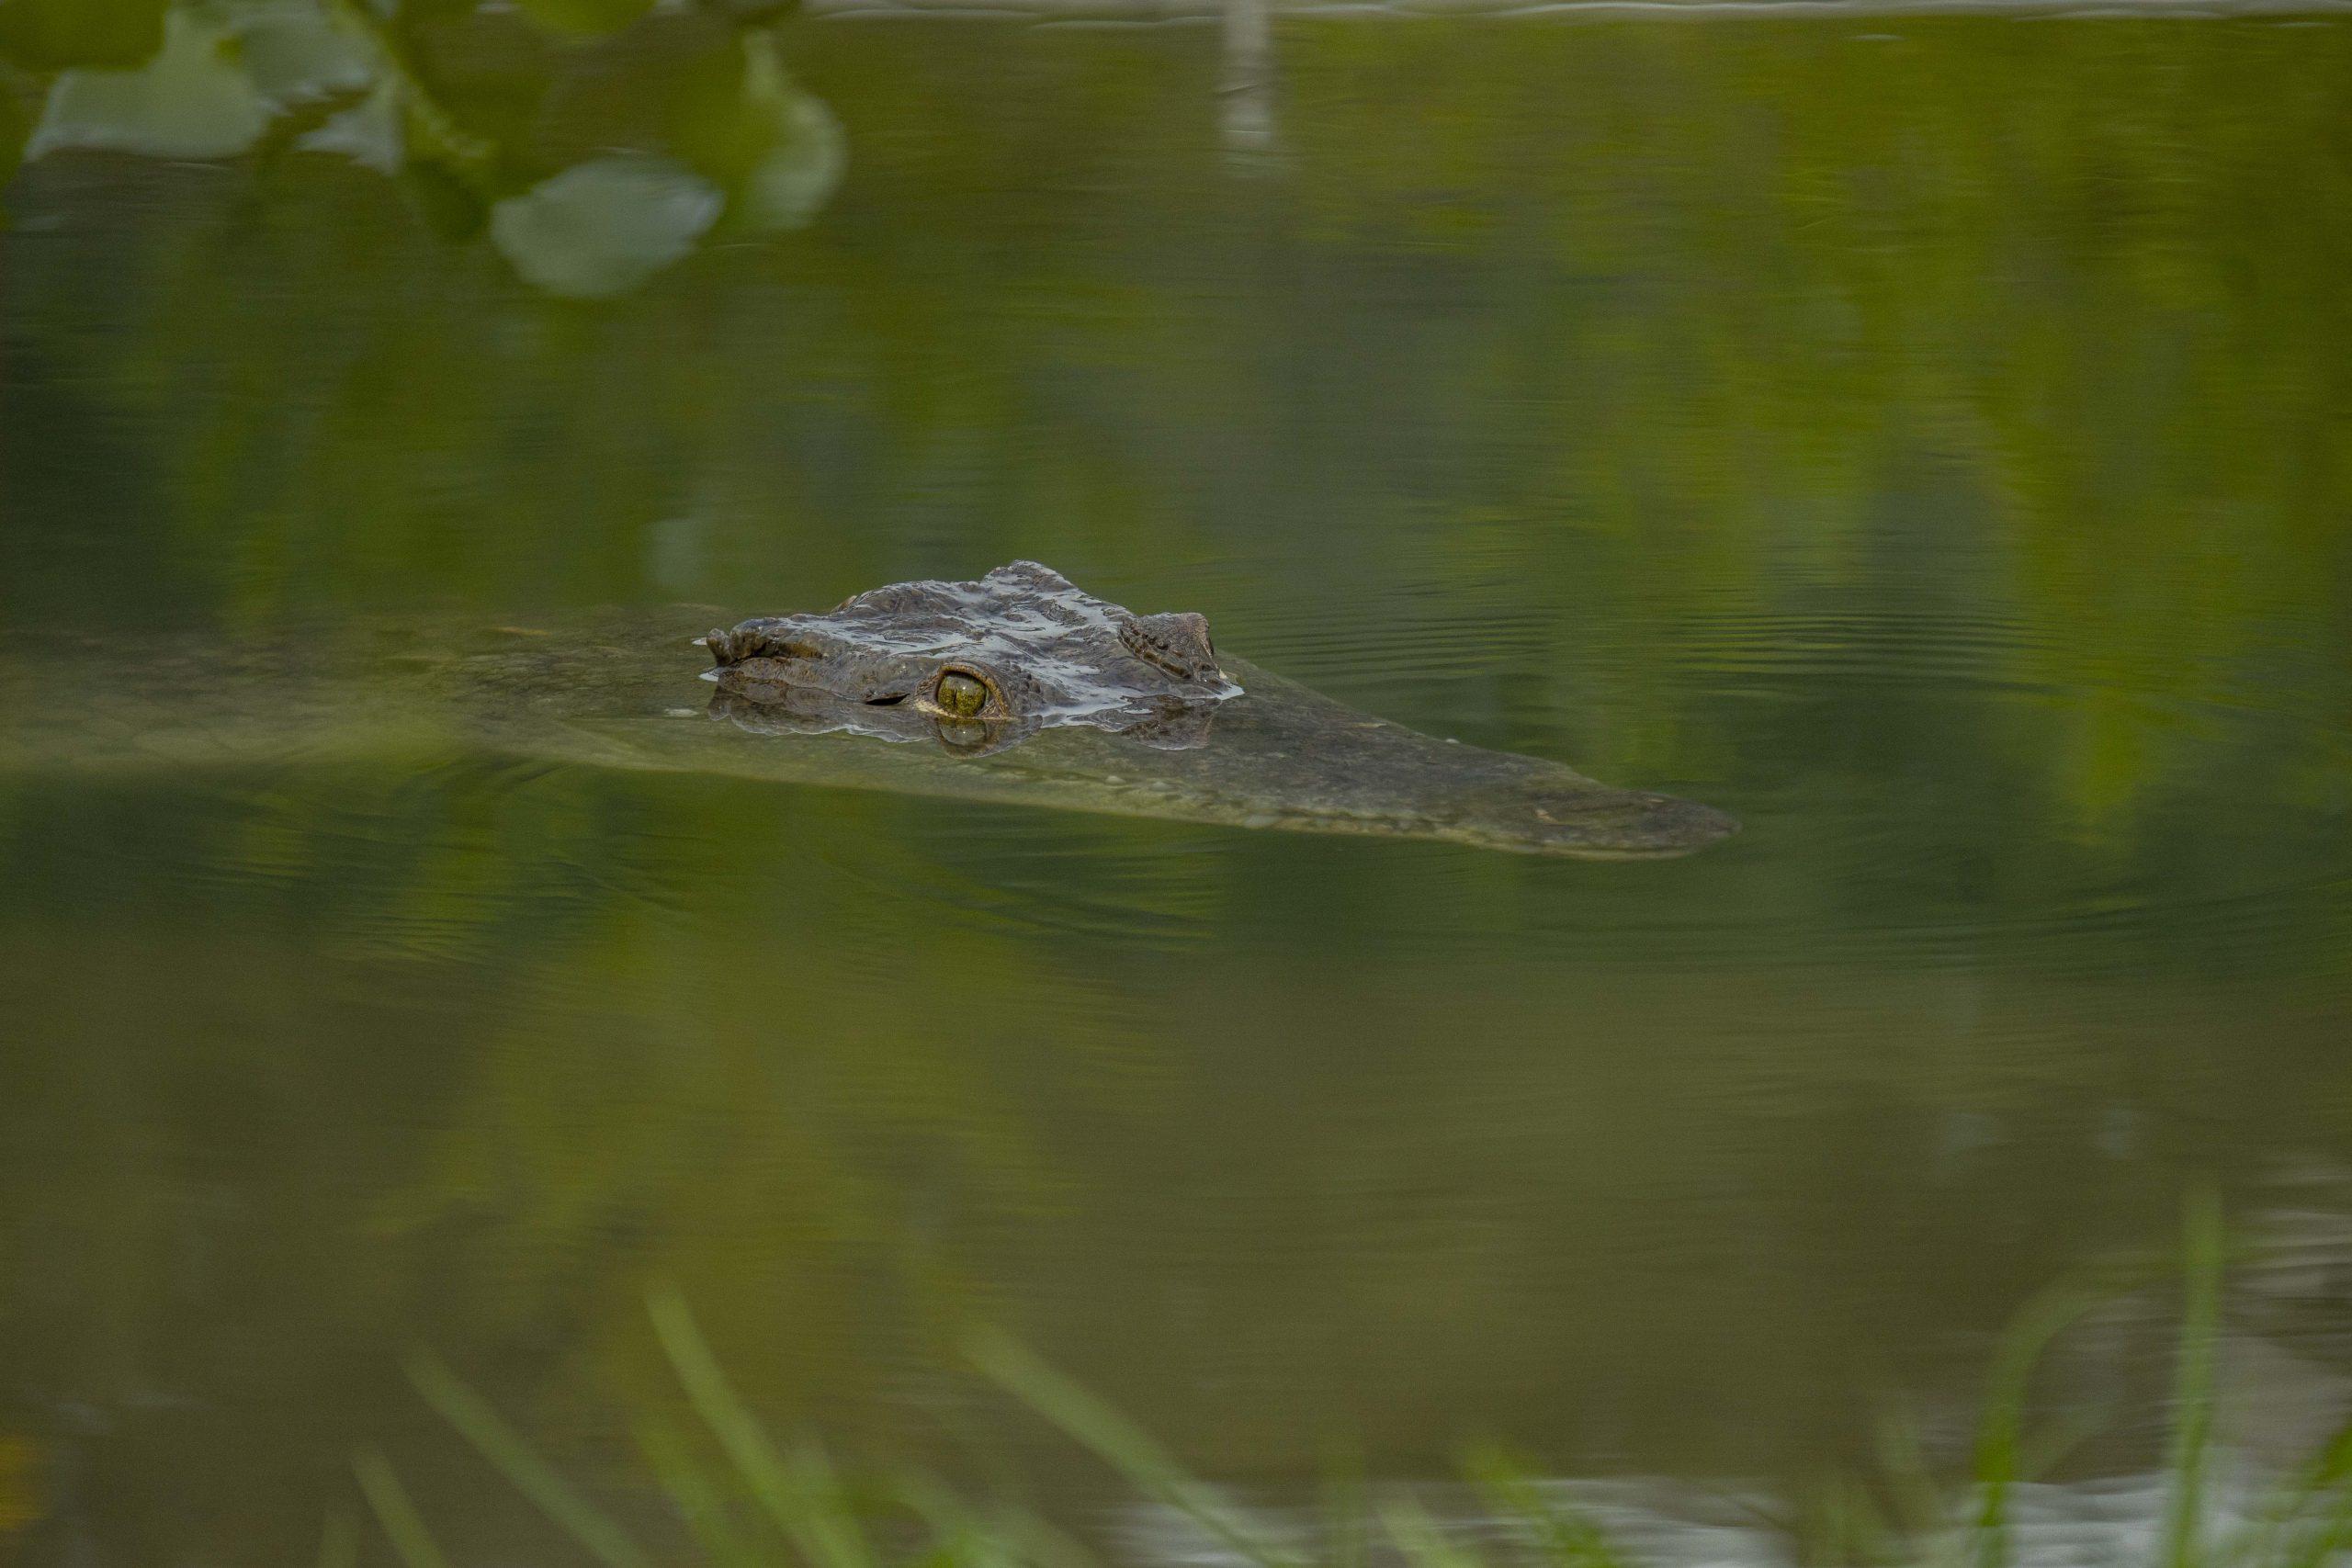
pixel 1632 824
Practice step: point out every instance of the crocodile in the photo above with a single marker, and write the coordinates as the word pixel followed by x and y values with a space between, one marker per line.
pixel 1016 687
pixel 983 666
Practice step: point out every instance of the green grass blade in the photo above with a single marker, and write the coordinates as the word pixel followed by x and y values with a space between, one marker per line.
pixel 1564 1536
pixel 831 1528
pixel 1924 1513
pixel 2002 1458
pixel 2043 1451
pixel 804 1504
pixel 2307 1516
pixel 2323 1542
pixel 700 1501
pixel 2202 1245
pixel 479 1424
pixel 1119 1443
pixel 1347 1510
pixel 958 1533
pixel 1842 1523
pixel 1421 1543
pixel 998 1534
pixel 412 1543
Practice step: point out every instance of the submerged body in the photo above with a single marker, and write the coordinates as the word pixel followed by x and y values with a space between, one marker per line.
pixel 1166 730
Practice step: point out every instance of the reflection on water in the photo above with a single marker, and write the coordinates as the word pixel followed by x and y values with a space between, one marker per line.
pixel 2114 1519
pixel 1921 442
pixel 737 148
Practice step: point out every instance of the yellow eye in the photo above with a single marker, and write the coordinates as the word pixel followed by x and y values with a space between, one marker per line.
pixel 961 695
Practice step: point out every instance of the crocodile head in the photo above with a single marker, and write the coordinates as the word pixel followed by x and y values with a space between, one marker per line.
pixel 981 665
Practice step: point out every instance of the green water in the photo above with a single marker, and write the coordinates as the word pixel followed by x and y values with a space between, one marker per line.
pixel 1928 440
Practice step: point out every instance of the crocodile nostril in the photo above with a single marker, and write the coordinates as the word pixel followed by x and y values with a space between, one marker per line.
pixel 961 694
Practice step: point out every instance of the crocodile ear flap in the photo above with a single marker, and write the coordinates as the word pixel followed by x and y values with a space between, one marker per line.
pixel 1177 643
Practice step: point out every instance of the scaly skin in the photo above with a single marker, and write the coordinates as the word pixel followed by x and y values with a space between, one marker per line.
pixel 1170 730
pixel 1020 650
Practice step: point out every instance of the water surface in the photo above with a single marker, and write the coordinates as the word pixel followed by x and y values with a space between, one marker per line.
pixel 1925 441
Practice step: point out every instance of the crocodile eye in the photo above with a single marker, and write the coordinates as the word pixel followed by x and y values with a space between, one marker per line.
pixel 961 695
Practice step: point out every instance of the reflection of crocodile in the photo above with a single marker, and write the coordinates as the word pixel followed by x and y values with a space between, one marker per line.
pixel 1020 688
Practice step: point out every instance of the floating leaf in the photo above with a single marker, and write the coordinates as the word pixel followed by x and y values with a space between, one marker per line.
pixel 604 226
pixel 60 35
pixel 193 100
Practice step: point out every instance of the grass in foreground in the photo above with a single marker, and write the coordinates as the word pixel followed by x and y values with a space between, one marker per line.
pixel 746 1501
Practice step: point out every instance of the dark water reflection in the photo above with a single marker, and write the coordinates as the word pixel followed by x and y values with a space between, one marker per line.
pixel 1924 442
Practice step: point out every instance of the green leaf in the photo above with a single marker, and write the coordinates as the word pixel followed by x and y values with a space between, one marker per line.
pixel 1563 1535
pixel 1121 1444
pixel 396 1511
pixel 193 100
pixel 480 1423
pixel 603 227
pixel 696 1496
pixel 301 56
pixel 369 132
pixel 2203 1248
pixel 772 146
pixel 584 18
pixel 800 1494
pixel 450 175
pixel 1421 1543
pixel 58 35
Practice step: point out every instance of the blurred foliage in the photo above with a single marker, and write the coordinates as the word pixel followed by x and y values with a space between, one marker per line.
pixel 738 1497
pixel 215 79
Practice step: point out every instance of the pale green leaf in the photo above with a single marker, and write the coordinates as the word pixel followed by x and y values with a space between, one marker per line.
pixel 193 100
pixel 604 226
